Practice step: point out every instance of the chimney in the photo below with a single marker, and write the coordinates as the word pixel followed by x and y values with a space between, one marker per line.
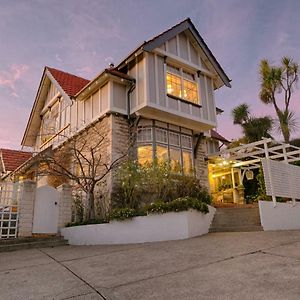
pixel 111 65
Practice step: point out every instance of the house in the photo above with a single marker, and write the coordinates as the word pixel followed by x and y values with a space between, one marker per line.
pixel 10 160
pixel 163 91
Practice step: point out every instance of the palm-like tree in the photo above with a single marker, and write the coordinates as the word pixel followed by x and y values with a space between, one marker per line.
pixel 254 129
pixel 280 80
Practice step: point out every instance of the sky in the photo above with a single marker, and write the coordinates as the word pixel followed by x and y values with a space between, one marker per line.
pixel 83 36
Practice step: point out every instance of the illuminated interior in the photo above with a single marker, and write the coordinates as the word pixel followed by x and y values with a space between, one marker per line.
pixel 182 87
pixel 225 182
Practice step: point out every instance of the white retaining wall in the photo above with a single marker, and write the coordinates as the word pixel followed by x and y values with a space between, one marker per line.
pixel 152 228
pixel 282 217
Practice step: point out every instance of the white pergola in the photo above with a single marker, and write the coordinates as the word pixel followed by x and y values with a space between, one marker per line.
pixel 282 179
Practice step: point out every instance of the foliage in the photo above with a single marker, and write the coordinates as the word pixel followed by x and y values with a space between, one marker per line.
pixel 254 128
pixel 180 204
pixel 78 209
pixel 125 213
pixel 139 185
pixel 87 222
pixel 279 80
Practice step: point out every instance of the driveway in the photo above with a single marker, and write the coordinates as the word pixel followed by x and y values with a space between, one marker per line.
pixel 250 265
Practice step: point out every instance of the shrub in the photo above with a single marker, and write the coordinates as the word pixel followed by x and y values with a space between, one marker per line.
pixel 139 185
pixel 124 213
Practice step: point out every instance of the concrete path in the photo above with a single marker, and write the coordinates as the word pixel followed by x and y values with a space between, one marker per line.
pixel 251 265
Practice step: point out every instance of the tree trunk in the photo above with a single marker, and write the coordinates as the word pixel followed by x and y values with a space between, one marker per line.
pixel 91 202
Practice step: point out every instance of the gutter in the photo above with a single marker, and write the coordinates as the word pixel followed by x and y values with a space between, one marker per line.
pixel 132 87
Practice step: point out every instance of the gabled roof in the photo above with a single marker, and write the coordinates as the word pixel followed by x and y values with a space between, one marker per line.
pixel 215 135
pixel 70 83
pixel 12 159
pixel 186 24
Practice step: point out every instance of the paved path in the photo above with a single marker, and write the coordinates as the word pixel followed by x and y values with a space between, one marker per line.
pixel 252 265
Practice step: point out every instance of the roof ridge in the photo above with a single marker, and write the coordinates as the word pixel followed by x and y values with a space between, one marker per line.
pixel 6 149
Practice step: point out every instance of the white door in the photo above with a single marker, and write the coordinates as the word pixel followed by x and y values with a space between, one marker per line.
pixel 45 217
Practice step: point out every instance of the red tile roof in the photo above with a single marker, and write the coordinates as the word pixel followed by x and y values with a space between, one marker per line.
pixel 70 83
pixel 12 159
pixel 217 136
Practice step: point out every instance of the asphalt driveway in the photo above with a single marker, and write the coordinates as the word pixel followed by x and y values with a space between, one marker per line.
pixel 250 265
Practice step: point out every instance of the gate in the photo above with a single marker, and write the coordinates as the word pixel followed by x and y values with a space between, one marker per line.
pixel 46 210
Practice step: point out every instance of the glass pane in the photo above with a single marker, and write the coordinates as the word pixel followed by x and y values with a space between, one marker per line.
pixel 174 139
pixel 190 91
pixel 187 162
pixel 161 135
pixel 186 141
pixel 173 85
pixel 144 135
pixel 144 154
pixel 161 153
pixel 175 160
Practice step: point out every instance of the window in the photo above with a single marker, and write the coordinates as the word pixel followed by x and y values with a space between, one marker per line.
pixel 166 145
pixel 182 84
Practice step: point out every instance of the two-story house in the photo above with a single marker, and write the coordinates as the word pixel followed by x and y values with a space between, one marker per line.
pixel 164 88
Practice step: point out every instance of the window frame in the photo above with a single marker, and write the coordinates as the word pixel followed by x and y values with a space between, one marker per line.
pixel 155 143
pixel 182 79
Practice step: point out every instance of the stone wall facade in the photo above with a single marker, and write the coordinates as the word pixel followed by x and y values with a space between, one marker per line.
pixel 201 164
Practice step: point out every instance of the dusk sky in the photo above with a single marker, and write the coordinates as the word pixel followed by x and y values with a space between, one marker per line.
pixel 82 37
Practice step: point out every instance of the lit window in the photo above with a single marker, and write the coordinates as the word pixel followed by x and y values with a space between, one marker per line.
pixel 175 159
pixel 145 154
pixel 181 84
pixel 174 85
pixel 187 162
pixel 161 153
pixel 169 144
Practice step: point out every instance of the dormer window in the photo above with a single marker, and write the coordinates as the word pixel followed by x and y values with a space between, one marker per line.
pixel 181 84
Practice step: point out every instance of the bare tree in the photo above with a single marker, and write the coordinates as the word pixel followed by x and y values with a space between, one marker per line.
pixel 83 159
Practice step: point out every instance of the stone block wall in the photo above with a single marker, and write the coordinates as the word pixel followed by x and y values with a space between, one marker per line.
pixel 201 165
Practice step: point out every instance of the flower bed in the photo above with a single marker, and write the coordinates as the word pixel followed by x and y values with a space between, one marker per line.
pixel 142 229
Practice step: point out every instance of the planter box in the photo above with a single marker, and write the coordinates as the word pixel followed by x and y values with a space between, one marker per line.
pixel 282 217
pixel 152 228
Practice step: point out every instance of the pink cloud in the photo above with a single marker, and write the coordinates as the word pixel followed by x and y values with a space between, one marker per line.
pixel 8 78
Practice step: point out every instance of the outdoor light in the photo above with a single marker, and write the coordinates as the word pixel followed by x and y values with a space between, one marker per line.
pixel 249 174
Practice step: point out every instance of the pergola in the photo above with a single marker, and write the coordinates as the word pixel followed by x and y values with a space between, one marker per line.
pixel 275 158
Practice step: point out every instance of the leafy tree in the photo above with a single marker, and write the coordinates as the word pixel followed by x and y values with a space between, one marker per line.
pixel 254 129
pixel 275 82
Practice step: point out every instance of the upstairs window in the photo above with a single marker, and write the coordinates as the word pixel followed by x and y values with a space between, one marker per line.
pixel 181 84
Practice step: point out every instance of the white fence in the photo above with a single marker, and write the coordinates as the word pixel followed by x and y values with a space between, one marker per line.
pixel 8 221
pixel 9 193
pixel 281 179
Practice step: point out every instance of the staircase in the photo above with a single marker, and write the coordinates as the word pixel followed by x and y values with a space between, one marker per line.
pixel 236 219
pixel 32 242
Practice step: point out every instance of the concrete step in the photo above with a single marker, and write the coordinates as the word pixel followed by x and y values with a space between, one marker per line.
pixel 236 229
pixel 236 219
pixel 29 243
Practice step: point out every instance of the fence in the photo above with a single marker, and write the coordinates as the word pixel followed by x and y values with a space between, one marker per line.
pixel 8 221
pixel 9 193
pixel 9 197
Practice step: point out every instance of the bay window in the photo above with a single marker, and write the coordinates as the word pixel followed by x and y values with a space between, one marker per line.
pixel 182 84
pixel 165 144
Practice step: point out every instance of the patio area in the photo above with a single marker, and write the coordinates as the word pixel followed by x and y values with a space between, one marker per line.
pixel 253 265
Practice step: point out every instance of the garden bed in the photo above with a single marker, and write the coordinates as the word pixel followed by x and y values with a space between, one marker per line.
pixel 151 228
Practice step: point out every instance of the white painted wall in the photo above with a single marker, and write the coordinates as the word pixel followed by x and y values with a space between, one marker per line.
pixel 152 228
pixel 282 217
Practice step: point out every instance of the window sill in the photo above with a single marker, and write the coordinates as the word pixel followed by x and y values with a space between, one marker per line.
pixel 183 100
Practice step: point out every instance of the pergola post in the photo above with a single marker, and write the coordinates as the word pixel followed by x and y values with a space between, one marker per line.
pixel 269 172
